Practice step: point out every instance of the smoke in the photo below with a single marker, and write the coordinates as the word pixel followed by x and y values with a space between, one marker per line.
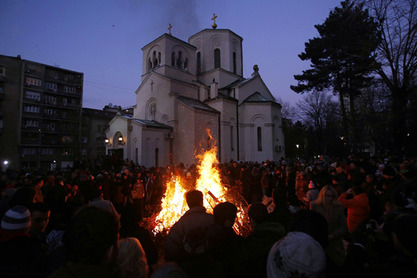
pixel 181 14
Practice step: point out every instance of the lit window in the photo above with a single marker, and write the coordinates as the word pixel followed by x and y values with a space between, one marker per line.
pixel 33 82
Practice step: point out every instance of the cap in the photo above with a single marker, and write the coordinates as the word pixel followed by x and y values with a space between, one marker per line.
pixel 16 218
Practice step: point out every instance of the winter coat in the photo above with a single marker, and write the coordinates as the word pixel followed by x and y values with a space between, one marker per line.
pixel 193 219
pixel 257 245
pixel 357 207
pixel 335 216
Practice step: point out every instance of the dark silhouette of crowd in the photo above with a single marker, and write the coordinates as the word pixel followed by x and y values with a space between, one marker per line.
pixel 350 217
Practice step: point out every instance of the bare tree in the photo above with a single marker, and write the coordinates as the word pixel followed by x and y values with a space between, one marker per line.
pixel 288 111
pixel 319 112
pixel 397 55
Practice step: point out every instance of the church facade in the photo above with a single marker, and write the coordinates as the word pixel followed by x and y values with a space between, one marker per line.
pixel 192 96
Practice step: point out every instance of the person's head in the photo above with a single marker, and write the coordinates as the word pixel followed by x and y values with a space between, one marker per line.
pixel 224 214
pixel 357 189
pixel 38 181
pixel 339 169
pixel 40 214
pixel 24 196
pixel 369 178
pixel 297 254
pixel 16 219
pixel 132 259
pixel 257 213
pixel 92 236
pixel 194 198
pixel 327 196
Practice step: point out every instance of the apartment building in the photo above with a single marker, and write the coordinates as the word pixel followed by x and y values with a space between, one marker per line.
pixel 40 119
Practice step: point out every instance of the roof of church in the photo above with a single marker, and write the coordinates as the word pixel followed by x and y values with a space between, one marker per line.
pixel 169 37
pixel 216 30
pixel 239 82
pixel 148 123
pixel 257 97
pixel 234 84
pixel 194 103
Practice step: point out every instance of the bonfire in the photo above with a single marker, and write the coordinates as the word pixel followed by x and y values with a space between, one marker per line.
pixel 209 182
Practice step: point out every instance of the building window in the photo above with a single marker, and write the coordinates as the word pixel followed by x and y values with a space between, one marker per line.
pixel 70 89
pixel 234 62
pixel 2 72
pixel 67 152
pixel 33 82
pixel 259 135
pixel 173 59
pixel 47 151
pixel 33 96
pixel 232 136
pixel 216 58
pixel 50 126
pixel 152 110
pixel 49 111
pixel 31 123
pixel 50 100
pixel 31 108
pixel 198 62
pixel 29 151
pixel 179 60
pixel 51 86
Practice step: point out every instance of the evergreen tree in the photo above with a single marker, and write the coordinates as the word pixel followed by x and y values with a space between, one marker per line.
pixel 342 60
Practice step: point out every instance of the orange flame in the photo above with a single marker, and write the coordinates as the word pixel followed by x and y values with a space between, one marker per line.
pixel 209 182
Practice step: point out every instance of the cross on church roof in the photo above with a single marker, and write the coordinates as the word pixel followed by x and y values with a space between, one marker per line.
pixel 169 28
pixel 214 21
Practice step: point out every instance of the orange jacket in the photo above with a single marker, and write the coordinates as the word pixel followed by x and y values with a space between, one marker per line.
pixel 357 207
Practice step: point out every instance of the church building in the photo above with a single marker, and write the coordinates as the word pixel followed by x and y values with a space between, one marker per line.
pixel 192 96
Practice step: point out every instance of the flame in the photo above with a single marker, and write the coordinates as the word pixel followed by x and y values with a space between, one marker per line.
pixel 173 206
pixel 209 182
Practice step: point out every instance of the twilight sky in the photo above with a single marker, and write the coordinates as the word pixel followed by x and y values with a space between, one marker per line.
pixel 103 38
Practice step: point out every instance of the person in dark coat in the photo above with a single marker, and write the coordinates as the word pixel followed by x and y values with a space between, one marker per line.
pixel 192 223
pixel 257 245
pixel 19 251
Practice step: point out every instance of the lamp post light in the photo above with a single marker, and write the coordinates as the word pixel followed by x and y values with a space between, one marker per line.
pixel 121 142
pixel 4 165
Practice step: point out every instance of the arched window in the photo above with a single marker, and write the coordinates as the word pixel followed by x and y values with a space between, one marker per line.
pixel 173 59
pixel 198 62
pixel 234 62
pixel 259 135
pixel 159 58
pixel 216 58
pixel 179 60
pixel 155 61
pixel 152 110
pixel 186 64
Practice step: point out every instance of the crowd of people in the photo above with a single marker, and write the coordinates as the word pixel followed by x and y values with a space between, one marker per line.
pixel 323 218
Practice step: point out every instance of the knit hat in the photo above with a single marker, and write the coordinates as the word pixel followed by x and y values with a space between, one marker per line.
pixel 16 218
pixel 296 255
